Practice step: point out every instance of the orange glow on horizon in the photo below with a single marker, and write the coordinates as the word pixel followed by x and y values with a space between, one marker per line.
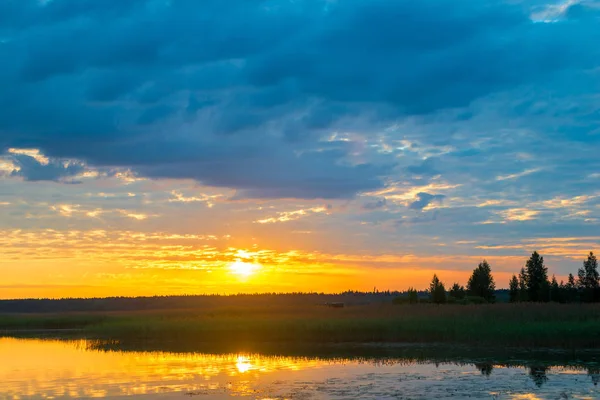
pixel 56 264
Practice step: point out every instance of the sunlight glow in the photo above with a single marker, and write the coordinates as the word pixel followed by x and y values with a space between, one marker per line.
pixel 243 269
pixel 243 364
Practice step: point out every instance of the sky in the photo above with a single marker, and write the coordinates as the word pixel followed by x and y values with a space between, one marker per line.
pixel 183 146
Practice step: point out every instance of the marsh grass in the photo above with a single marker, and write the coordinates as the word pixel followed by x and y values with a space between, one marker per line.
pixel 21 322
pixel 516 325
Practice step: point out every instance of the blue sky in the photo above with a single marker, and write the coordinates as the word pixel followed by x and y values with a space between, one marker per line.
pixel 408 130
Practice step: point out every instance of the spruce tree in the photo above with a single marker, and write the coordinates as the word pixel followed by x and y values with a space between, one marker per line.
pixel 537 278
pixel 555 290
pixel 513 289
pixel 523 285
pixel 591 271
pixel 437 291
pixel 588 278
pixel 571 288
pixel 481 283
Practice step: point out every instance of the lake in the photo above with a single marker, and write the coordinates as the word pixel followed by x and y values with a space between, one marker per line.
pixel 57 369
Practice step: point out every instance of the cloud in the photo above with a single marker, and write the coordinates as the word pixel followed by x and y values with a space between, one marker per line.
pixel 425 199
pixel 32 169
pixel 241 95
pixel 375 204
pixel 426 168
pixel 517 175
pixel 286 216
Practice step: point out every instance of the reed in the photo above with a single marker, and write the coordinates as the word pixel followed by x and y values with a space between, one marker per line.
pixel 523 325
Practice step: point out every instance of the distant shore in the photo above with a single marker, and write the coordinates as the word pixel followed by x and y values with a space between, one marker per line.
pixel 522 325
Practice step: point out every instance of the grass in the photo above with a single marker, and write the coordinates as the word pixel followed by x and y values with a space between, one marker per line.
pixel 572 326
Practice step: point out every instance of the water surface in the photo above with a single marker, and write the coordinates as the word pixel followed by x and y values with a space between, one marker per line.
pixel 45 369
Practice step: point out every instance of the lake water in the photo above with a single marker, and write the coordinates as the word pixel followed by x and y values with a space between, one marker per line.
pixel 52 369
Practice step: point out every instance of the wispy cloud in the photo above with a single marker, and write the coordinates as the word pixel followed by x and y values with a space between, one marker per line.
pixel 517 175
pixel 287 216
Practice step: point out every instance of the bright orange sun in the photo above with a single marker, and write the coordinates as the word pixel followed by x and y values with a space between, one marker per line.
pixel 242 269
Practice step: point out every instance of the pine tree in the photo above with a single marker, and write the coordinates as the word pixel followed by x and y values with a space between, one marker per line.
pixel 513 289
pixel 481 283
pixel 571 288
pixel 555 290
pixel 571 282
pixel 437 291
pixel 523 285
pixel 588 278
pixel 537 278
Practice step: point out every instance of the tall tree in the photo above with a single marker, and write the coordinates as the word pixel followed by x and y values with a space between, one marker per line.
pixel 588 275
pixel 555 290
pixel 523 285
pixel 571 282
pixel 588 278
pixel 537 278
pixel 437 291
pixel 513 291
pixel 571 289
pixel 481 283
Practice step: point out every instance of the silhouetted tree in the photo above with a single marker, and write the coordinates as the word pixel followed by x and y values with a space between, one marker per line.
pixel 413 296
pixel 513 290
pixel 555 292
pixel 588 278
pixel 545 291
pixel 437 291
pixel 457 291
pixel 537 278
pixel 481 283
pixel 571 281
pixel 571 289
pixel 523 285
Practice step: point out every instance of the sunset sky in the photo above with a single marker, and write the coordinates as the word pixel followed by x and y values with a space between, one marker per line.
pixel 186 146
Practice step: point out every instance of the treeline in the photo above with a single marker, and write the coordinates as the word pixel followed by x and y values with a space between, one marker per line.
pixel 531 285
pixel 481 288
pixel 190 302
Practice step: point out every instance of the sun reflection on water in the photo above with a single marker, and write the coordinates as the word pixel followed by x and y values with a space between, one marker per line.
pixel 60 369
pixel 243 364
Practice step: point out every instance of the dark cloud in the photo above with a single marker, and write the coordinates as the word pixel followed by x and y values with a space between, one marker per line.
pixel 33 170
pixel 425 199
pixel 375 204
pixel 426 168
pixel 241 94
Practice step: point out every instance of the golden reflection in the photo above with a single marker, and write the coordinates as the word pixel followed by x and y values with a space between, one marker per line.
pixel 73 369
pixel 56 369
pixel 243 364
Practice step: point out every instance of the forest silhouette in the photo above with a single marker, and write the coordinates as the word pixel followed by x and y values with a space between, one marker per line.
pixel 532 284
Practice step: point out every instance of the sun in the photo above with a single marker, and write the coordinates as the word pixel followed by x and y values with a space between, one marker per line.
pixel 242 269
